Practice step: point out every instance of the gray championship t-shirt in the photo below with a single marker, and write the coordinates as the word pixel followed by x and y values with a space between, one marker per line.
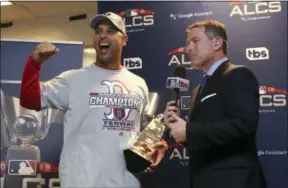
pixel 103 117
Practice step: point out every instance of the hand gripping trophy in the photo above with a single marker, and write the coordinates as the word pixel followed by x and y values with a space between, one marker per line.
pixel 137 155
pixel 21 127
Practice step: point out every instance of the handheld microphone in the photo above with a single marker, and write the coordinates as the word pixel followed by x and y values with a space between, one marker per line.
pixel 177 83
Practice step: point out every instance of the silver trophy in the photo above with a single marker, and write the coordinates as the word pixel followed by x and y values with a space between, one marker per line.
pixel 20 128
pixel 137 156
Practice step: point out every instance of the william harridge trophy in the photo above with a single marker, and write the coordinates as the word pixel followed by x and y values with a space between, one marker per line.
pixel 20 127
pixel 137 156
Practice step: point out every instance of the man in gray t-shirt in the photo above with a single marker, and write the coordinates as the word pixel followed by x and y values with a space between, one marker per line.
pixel 104 105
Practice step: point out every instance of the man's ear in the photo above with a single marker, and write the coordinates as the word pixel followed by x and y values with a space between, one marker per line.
pixel 125 40
pixel 218 43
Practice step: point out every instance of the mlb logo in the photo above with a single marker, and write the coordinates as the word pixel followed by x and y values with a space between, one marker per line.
pixel 22 167
pixel 171 82
pixel 131 12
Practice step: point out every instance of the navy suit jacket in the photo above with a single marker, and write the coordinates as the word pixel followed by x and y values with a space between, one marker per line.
pixel 223 120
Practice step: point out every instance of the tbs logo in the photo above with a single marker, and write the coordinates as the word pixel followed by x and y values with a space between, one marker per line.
pixel 257 53
pixel 183 84
pixel 133 63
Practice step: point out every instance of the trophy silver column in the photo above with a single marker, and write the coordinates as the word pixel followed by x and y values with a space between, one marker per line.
pixel 22 127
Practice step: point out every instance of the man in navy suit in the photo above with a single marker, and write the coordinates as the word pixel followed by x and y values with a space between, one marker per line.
pixel 223 116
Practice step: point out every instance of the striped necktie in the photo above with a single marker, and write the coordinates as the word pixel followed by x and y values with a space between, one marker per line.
pixel 204 81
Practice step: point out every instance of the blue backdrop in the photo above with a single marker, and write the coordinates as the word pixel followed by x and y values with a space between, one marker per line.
pixel 257 37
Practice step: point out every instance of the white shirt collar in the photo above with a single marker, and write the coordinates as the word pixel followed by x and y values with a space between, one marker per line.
pixel 215 66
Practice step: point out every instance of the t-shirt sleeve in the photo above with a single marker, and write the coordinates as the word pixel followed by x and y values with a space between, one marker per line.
pixel 55 93
pixel 37 96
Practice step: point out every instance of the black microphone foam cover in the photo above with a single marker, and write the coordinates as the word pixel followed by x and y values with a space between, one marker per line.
pixel 179 72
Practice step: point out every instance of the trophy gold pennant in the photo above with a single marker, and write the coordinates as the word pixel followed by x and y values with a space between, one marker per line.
pixel 138 155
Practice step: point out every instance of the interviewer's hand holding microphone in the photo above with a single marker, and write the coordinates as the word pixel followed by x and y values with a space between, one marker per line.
pixel 172 118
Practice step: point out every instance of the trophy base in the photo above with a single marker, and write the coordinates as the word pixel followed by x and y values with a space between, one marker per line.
pixel 22 167
pixel 134 162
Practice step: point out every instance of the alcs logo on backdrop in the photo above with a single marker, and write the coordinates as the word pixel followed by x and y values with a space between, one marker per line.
pixel 179 153
pixel 137 20
pixel 255 10
pixel 272 98
pixel 179 57
pixel 260 53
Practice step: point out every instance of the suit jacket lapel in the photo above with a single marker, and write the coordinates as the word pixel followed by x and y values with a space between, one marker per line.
pixel 193 102
pixel 214 78
pixel 195 97
pixel 219 71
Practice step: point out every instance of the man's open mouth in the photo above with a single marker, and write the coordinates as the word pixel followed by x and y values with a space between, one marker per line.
pixel 104 46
